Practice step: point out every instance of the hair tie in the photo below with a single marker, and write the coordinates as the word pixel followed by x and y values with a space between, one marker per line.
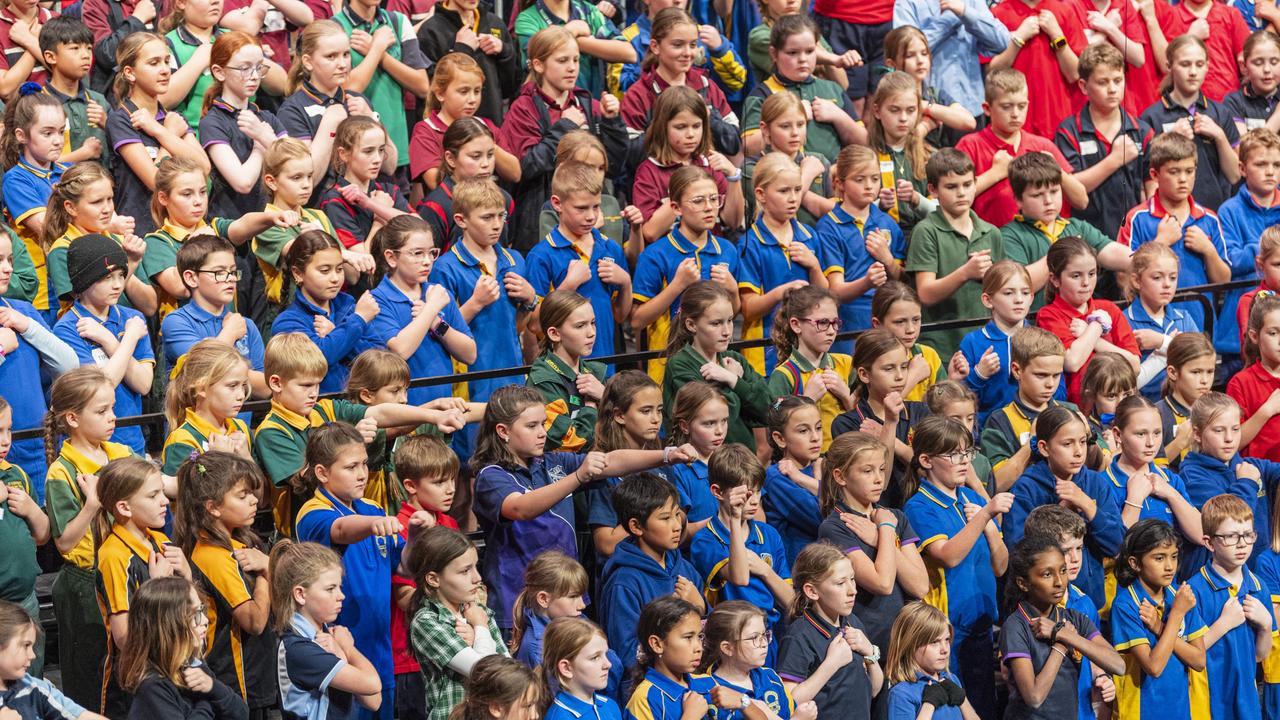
pixel 194 454
pixel 29 88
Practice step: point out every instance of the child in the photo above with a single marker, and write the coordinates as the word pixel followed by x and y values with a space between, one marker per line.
pixel 207 267
pixel 500 684
pixel 792 41
pixel 358 204
pixel 1108 380
pixel 1161 649
pixel 893 133
pixel 234 131
pixel 321 671
pixel 523 493
pixel 1244 219
pixel 1036 182
pixel 698 415
pixel 670 650
pixel 35 697
pixel 1040 637
pixel 497 57
pixel 467 152
pixel 1006 292
pixel 689 253
pixel 1255 387
pixel 963 556
pixel 852 483
pixel 1073 274
pixel 897 308
pixel 597 38
pixel 24 528
pixel 713 53
pixel 1250 105
pixel 995 146
pixel 814 666
pixel 805 328
pixel 698 351
pixel 451 628
pixel 217 505
pixel 669 63
pixel 337 516
pixel 162 665
pixel 779 254
pixel 1214 465
pixel 81 204
pixel 737 644
pixel 648 564
pixel 202 402
pixel 1155 323
pixel 943 117
pixel 576 668
pixel 958 402
pixel 722 550
pixel 860 239
pixel 1266 566
pixel 582 146
pixel 571 385
pixel 432 338
pixel 951 249
pixel 827 63
pixel 30 149
pixel 179 207
pixel 1267 263
pixel 1208 133
pixel 106 335
pixel 554 587
pixel 916 666
pixel 1062 439
pixel 1146 489
pixel 129 550
pixel 576 256
pixel 1046 52
pixel 1223 32
pixel 1103 142
pixel 330 318
pixel 140 130
pixel 1036 359
pixel 1192 363
pixel 532 134
pixel 1241 637
pixel 790 495
pixel 784 127
pixel 679 135
pixel 65 42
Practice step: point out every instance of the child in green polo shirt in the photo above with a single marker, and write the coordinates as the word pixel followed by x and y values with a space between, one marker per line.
pixel 1036 181
pixel 66 45
pixel 22 528
pixel 294 367
pixel 951 249
pixel 570 384
pixel 599 40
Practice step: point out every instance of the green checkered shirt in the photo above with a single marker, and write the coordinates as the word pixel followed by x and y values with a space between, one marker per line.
pixel 435 642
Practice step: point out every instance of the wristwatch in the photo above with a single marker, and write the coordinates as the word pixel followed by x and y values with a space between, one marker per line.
pixel 1058 43
pixel 438 332
pixel 874 657
pixel 746 701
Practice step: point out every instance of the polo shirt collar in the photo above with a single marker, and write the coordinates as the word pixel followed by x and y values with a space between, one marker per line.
pixel 1247 197
pixel 295 420
pixel 1201 103
pixel 665 685
pixel 557 240
pixel 188 38
pixel 80 311
pixel 1084 123
pixel 337 98
pixel 304 627
pixel 576 707
pixel 359 23
pixel 1140 594
pixel 1246 89
pixel 780 81
pixel 132 107
pixel 824 362
pixel 206 428
pixel 693 79
pixel 1194 210
pixel 301 298
pixel 456 16
pixel 234 111
pixel 992 331
pixel 54 169
pixel 995 141
pixel 840 216
pixel 553 19
pixel 721 532
pixel 762 233
pixel 1029 613
pixel 1219 583
pixel 686 246
pixel 1178 408
pixel 434 122
pixel 464 256
pixel 940 498
pixel 387 290
pixel 82 462
pixel 80 93
pixel 179 233
pixel 1052 230
pixel 827 629
pixel 559 366
pixel 138 547
pixel 1138 313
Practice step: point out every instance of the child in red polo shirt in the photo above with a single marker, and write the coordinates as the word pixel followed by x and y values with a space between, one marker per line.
pixel 1223 31
pixel 1257 387
pixel 993 147
pixel 1046 44
pixel 1140 32
pixel 1085 324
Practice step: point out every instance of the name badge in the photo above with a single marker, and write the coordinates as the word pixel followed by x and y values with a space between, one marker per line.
pixel 1088 147
pixel 1167 127
pixel 886 166
pixel 315 110
pixel 1254 123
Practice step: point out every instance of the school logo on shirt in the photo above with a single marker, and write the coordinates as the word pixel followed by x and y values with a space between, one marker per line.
pixel 773 701
pixel 555 473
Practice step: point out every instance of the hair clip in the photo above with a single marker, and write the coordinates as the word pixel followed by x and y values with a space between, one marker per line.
pixel 194 454
pixel 777 403
pixel 29 88
pixel 200 468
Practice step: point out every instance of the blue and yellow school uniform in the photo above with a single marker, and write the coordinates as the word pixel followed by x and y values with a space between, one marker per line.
pixel 1140 229
pixel 658 697
pixel 268 246
pixel 1177 692
pixel 1206 476
pixel 162 253
pixel 655 268
pixel 766 687
pixel 123 565
pixel 766 265
pixel 937 372
pixel 26 193
pixel 843 239
pixel 366 579
pixel 1242 220
pixel 1267 566
pixel 193 435
pixel 245 662
pixel 431 359
pixel 1152 507
pixel 1172 414
pixel 189 324
pixel 709 551
pixel 548 263
pixel 128 401
pixel 693 483
pixel 791 376
pixel 1000 389
pixel 339 346
pixel 792 510
pixel 905 699
pixel 1231 663
pixel 1174 320
pixel 568 707
pixel 1077 600
pixel 22 368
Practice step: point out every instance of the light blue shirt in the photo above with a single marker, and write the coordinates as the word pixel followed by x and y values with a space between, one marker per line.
pixel 956 43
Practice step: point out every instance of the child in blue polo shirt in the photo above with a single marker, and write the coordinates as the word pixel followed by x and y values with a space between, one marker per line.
pixel 576 256
pixel 722 550
pixel 369 541
pixel 670 651
pixel 917 667
pixel 1141 488
pixel 583 645
pixel 1153 274
pixel 207 266
pixel 1161 650
pixel 737 646
pixel 417 319
pixel 1241 637
pixel 105 334
pixel 964 553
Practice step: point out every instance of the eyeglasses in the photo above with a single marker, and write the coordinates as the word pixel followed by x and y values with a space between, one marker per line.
pixel 259 71
pixel 704 201
pixel 1230 539
pixel 759 639
pixel 223 275
pixel 960 457
pixel 418 256
pixel 200 616
pixel 824 324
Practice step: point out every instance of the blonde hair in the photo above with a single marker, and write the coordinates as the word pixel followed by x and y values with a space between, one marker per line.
pixel 168 170
pixel 768 169
pixel 563 639
pixel 1142 260
pixel 295 564
pixel 1004 82
pixel 307 42
pixel 291 355
pixel 892 85
pixel 917 625
pixel 118 481
pixel 127 53
pixel 74 184
pixel 841 455
pixel 373 370
pixel 999 275
pixel 1269 242
pixel 448 69
pixel 207 362
pixel 552 572
pixel 282 152
pixel 1207 409
pixel 71 393
pixel 576 178
pixel 543 43
pixel 574 142
pixel 472 195
pixel 778 104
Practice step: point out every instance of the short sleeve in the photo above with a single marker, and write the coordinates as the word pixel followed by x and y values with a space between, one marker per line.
pixel 214 130
pixel 160 255
pixel 316 525
pixel 310 667
pixel 220 569
pixel 1016 639
pixel 750 270
pixel 709 557
pixel 648 280
pixel 540 271
pixel 906 533
pixel 796 655
pixel 24 196
pixel 927 522
pixel 922 252
pixel 120 131
pixel 1127 629
pixel 493 486
pixel 837 532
